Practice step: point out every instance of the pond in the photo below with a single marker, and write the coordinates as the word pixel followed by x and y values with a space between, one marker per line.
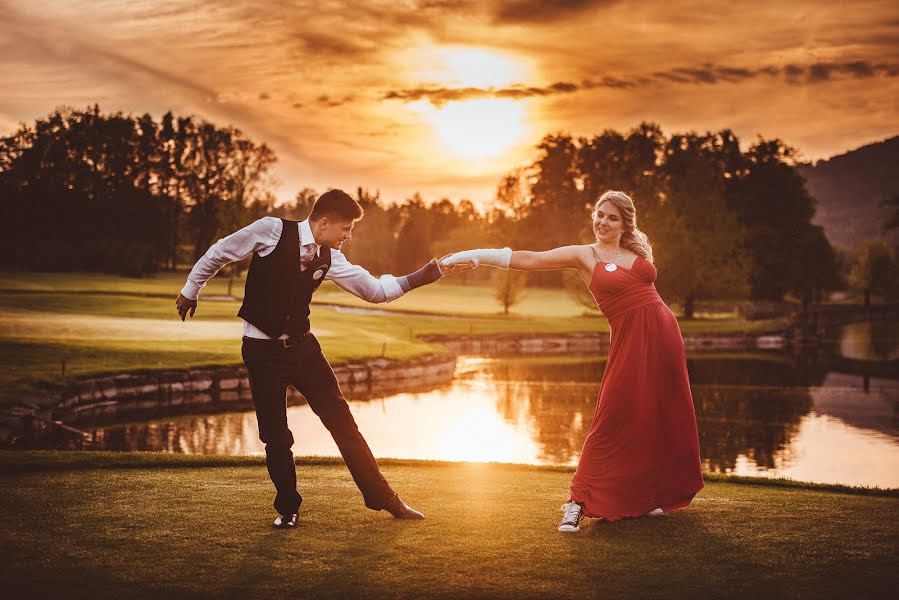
pixel 766 414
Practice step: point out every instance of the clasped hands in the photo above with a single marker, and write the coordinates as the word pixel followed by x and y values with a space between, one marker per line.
pixel 495 257
pixel 448 266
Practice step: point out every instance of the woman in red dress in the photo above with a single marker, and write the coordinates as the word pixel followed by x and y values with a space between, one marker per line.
pixel 641 455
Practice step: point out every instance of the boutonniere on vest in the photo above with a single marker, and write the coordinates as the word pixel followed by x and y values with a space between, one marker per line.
pixel 319 273
pixel 611 267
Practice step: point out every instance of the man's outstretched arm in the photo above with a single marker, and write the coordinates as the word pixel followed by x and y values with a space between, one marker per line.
pixel 359 282
pixel 260 236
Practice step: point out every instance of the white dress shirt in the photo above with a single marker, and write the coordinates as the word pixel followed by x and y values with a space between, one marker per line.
pixel 261 237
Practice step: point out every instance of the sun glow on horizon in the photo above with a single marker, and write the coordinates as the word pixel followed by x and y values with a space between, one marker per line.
pixel 465 66
pixel 478 127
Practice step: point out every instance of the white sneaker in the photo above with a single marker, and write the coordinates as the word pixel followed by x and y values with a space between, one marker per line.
pixel 657 512
pixel 286 521
pixel 571 518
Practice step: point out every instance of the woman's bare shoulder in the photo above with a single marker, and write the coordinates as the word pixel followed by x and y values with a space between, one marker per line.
pixel 586 254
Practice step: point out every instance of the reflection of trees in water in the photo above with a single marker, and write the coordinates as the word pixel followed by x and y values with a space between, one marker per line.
pixel 885 341
pixel 878 341
pixel 557 416
pixel 733 420
pixel 556 400
pixel 511 369
pixel 777 370
pixel 754 422
pixel 205 427
pixel 709 369
pixel 229 434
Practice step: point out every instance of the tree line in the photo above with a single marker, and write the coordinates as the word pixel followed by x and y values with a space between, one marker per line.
pixel 85 190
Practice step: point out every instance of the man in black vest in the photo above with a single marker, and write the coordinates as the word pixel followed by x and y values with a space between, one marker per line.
pixel 290 261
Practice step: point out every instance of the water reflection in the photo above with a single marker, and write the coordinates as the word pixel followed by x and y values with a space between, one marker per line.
pixel 757 415
pixel 870 341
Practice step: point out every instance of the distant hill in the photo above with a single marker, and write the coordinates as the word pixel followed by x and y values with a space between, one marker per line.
pixel 849 189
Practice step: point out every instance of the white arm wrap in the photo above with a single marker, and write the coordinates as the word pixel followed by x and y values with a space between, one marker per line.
pixel 495 257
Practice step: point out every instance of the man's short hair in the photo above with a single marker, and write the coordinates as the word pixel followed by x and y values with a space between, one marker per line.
pixel 338 205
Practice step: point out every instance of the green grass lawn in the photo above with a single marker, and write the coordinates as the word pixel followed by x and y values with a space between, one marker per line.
pixel 163 283
pixel 164 528
pixel 446 297
pixel 105 324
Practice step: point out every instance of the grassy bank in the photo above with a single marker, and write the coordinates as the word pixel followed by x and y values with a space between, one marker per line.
pixel 170 529
pixel 83 324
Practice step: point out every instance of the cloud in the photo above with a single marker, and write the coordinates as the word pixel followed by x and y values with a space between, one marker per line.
pixel 610 82
pixel 821 72
pixel 110 63
pixel 325 44
pixel 708 74
pixel 329 102
pixel 439 96
pixel 445 5
pixel 543 11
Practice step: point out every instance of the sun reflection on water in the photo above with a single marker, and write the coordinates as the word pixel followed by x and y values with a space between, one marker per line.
pixel 508 411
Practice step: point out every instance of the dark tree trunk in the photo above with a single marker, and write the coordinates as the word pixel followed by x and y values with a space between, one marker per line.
pixel 689 307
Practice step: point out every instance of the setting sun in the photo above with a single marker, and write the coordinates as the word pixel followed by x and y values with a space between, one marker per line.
pixel 468 123
pixel 463 66
pixel 477 129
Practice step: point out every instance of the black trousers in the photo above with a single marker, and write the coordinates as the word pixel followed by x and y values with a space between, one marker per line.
pixel 271 368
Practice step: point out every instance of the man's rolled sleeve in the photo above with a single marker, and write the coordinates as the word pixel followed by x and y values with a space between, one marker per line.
pixel 391 287
pixel 359 282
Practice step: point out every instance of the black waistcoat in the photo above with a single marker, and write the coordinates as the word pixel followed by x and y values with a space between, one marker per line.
pixel 277 293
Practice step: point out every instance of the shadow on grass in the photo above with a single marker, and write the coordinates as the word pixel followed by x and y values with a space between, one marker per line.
pixel 675 552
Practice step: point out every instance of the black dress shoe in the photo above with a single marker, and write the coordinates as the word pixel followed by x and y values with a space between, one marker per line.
pixel 401 510
pixel 286 521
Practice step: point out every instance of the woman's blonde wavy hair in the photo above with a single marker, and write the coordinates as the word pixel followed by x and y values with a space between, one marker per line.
pixel 632 238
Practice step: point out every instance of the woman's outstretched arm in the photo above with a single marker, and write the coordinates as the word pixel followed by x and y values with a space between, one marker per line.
pixel 565 257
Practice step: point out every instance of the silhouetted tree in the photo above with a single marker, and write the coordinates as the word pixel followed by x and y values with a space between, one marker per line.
pixel 875 271
pixel 466 229
pixel 375 245
pixel 224 173
pixel 76 194
pixel 816 267
pixel 555 214
pixel 107 192
pixel 699 241
pixel 509 287
pixel 773 205
pixel 627 162
pixel 893 221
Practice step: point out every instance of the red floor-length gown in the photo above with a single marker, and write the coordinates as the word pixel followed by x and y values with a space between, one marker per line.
pixel 642 451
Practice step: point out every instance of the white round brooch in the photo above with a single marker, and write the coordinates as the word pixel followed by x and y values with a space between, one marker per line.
pixel 319 273
pixel 611 267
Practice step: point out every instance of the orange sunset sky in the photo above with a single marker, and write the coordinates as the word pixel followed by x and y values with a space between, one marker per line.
pixel 445 96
